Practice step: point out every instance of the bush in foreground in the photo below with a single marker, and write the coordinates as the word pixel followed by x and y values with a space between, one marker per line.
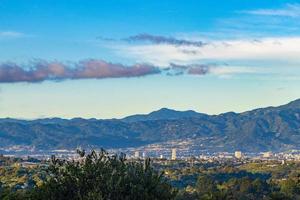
pixel 98 176
pixel 101 176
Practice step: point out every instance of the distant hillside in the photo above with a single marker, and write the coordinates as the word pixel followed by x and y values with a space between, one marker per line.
pixel 164 114
pixel 272 128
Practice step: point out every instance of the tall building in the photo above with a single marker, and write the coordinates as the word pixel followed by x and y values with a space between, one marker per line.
pixel 173 156
pixel 238 154
pixel 136 154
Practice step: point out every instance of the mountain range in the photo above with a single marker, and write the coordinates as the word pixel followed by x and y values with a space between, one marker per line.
pixel 263 129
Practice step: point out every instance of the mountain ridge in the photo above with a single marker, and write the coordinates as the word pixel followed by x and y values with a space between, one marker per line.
pixel 163 113
pixel 292 104
pixel 262 129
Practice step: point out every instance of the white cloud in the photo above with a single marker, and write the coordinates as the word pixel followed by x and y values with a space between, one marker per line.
pixel 161 55
pixel 11 34
pixel 230 70
pixel 283 49
pixel 290 10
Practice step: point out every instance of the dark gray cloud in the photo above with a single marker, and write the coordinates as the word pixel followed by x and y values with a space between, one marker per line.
pixel 157 39
pixel 193 69
pixel 42 70
pixel 199 70
pixel 39 71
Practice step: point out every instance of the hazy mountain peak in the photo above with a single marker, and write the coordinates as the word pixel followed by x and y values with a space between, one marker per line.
pixel 164 110
pixel 167 111
pixel 163 114
pixel 293 104
pixel 263 129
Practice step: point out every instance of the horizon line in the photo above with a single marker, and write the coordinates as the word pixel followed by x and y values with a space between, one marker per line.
pixel 123 117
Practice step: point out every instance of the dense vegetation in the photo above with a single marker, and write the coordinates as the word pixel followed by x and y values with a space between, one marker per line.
pixel 96 176
pixel 232 183
pixel 99 175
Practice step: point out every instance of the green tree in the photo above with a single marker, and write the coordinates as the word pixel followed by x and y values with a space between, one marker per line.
pixel 290 188
pixel 102 176
pixel 206 187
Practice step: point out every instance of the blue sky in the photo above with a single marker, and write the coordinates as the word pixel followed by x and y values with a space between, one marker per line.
pixel 107 59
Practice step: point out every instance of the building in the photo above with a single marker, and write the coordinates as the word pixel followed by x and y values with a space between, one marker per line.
pixel 267 154
pixel 173 156
pixel 238 154
pixel 136 154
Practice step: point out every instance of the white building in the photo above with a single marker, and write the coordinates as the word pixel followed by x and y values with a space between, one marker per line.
pixel 267 154
pixel 238 154
pixel 173 156
pixel 137 154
